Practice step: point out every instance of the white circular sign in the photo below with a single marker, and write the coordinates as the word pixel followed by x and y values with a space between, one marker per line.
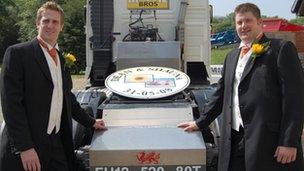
pixel 147 82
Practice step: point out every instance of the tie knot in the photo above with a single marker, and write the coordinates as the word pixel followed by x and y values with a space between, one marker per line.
pixel 244 50
pixel 53 52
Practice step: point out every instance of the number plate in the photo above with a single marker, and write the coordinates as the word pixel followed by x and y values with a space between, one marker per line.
pixel 151 168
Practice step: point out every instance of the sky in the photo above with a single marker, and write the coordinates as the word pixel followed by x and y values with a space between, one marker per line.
pixel 280 8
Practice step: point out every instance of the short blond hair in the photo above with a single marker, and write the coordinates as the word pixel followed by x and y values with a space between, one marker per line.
pixel 50 5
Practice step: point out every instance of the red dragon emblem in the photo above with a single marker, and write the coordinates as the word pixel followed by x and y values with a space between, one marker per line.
pixel 148 158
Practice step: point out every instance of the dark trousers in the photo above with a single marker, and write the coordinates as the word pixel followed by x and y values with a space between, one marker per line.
pixel 237 154
pixel 51 156
pixel 55 160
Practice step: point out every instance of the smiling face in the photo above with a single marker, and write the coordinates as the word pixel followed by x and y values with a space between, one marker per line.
pixel 247 26
pixel 49 26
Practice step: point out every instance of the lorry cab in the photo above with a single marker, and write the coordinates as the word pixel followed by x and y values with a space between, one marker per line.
pixel 147 65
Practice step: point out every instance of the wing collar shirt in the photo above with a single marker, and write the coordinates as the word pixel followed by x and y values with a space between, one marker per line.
pixel 57 96
pixel 236 114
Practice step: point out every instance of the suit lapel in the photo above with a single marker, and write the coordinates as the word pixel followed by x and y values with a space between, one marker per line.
pixel 62 61
pixel 40 58
pixel 232 65
pixel 247 68
pixel 63 72
pixel 251 61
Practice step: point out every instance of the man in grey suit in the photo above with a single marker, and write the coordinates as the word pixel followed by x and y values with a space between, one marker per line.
pixel 37 102
pixel 261 98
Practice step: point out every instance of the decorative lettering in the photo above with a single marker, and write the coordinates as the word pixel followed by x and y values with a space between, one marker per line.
pixel 147 82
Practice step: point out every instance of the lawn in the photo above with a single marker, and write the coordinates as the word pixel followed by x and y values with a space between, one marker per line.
pixel 218 55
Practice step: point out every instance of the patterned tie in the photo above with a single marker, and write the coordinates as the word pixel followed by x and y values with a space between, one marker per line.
pixel 52 52
pixel 244 50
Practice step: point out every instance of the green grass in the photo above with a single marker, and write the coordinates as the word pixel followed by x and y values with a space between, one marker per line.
pixel 218 55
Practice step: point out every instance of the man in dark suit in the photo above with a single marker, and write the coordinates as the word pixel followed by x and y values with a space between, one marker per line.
pixel 261 98
pixel 37 102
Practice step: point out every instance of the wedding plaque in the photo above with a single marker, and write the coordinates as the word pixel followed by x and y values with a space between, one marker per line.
pixel 147 82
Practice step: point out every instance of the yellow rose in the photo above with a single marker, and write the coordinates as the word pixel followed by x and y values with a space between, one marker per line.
pixel 71 57
pixel 257 48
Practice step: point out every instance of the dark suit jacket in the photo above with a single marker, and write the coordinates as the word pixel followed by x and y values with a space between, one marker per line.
pixel 26 92
pixel 271 99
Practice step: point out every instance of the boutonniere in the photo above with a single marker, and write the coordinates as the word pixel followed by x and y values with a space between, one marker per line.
pixel 259 48
pixel 70 60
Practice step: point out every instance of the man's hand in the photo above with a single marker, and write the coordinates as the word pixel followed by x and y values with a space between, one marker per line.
pixel 188 126
pixel 285 155
pixel 99 124
pixel 30 160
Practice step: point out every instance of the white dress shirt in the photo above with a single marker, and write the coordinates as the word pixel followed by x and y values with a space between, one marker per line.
pixel 236 114
pixel 57 96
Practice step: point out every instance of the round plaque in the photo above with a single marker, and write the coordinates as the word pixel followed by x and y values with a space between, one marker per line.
pixel 147 82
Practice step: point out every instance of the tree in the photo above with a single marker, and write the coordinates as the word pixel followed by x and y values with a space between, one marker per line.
pixel 223 23
pixel 71 40
pixel 73 37
pixel 8 29
pixel 26 19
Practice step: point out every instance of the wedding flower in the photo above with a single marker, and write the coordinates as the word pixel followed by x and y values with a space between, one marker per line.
pixel 69 59
pixel 259 48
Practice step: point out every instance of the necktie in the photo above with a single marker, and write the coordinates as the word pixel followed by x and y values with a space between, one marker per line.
pixel 244 50
pixel 52 52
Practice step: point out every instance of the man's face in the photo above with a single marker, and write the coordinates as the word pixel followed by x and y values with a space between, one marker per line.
pixel 49 26
pixel 247 26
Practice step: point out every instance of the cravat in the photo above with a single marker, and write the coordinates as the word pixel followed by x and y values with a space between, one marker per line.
pixel 52 52
pixel 244 50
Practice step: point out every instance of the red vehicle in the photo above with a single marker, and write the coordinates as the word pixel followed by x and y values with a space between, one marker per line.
pixel 279 24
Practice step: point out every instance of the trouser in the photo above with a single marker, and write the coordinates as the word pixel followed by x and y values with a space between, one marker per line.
pixel 237 154
pixel 55 160
pixel 52 156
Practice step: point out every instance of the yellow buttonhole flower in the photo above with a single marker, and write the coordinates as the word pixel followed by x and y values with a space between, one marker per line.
pixel 257 48
pixel 69 59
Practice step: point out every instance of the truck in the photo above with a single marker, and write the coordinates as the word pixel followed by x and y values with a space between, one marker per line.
pixel 147 65
pixel 140 58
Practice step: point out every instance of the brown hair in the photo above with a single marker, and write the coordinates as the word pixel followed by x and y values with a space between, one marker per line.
pixel 248 7
pixel 50 5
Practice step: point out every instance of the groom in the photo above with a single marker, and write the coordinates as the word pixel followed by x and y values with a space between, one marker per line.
pixel 261 98
pixel 37 102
